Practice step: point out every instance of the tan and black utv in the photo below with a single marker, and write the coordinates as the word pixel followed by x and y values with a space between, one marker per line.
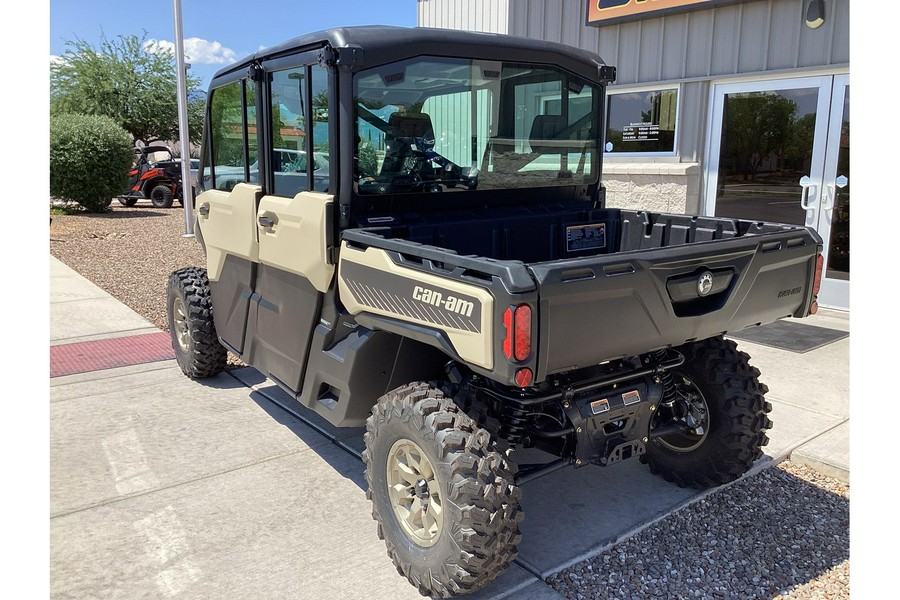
pixel 406 229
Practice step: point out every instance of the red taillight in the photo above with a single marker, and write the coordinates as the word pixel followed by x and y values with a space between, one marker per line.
pixel 517 343
pixel 820 267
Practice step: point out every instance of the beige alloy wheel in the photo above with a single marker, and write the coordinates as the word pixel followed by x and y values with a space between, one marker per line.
pixel 415 492
pixel 182 335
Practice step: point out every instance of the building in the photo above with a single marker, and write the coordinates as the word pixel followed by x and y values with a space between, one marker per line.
pixel 721 107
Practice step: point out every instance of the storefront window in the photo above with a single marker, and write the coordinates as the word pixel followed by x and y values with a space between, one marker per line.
pixel 642 122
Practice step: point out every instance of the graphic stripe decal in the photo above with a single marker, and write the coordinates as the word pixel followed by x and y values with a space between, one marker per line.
pixel 388 302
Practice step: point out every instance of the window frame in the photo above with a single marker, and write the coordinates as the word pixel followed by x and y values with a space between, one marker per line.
pixel 614 90
pixel 306 61
pixel 207 153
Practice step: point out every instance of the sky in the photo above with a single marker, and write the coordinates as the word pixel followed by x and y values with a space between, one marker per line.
pixel 216 33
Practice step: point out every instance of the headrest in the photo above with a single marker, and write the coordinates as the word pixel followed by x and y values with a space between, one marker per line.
pixel 547 127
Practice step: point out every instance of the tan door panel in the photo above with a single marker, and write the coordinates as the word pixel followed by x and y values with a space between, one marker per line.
pixel 227 221
pixel 292 235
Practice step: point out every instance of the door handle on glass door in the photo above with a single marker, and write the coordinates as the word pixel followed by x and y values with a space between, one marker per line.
pixel 828 196
pixel 808 190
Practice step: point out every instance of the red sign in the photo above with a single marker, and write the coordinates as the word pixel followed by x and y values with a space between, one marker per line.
pixel 603 12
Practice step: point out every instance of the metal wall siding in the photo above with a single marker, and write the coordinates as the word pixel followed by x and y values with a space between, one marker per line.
pixel 692 102
pixel 552 22
pixel 754 37
pixel 629 52
pixel 726 40
pixel 784 35
pixel 699 43
pixel 673 63
pixel 840 33
pixel 651 50
pixel 491 16
pixel 746 37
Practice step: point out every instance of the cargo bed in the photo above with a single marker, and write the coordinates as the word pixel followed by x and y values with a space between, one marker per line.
pixel 607 283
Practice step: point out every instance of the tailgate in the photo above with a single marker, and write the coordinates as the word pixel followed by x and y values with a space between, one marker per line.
pixel 605 307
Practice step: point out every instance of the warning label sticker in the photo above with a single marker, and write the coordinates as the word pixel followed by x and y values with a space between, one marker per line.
pixel 599 406
pixel 586 237
pixel 631 397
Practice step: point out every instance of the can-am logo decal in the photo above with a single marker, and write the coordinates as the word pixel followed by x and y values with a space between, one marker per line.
pixel 399 296
pixel 450 303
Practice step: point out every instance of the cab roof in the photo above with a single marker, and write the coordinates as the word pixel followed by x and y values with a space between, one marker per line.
pixel 372 45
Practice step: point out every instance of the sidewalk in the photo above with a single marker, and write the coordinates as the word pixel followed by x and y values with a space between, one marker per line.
pixel 163 487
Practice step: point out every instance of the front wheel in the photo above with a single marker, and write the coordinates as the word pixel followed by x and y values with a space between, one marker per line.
pixel 718 400
pixel 445 501
pixel 191 327
pixel 161 197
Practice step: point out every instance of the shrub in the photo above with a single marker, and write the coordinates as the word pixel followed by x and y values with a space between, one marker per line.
pixel 89 159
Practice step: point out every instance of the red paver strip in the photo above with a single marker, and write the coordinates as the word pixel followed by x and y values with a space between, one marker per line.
pixel 84 357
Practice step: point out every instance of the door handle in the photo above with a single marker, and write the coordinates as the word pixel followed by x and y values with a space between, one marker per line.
pixel 828 197
pixel 203 210
pixel 266 221
pixel 831 191
pixel 809 189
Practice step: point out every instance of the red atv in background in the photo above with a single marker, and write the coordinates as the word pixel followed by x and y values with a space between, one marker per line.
pixel 156 180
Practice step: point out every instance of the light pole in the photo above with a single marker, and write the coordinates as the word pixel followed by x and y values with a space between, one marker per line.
pixel 187 189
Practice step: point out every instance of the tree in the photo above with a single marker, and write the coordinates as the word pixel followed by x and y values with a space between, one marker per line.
pixel 89 159
pixel 757 125
pixel 128 81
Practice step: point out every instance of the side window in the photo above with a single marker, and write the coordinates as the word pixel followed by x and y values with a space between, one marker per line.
pixel 320 128
pixel 288 93
pixel 299 122
pixel 227 127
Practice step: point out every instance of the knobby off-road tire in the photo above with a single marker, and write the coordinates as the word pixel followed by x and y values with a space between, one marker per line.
pixel 191 327
pixel 477 530
pixel 736 418
pixel 128 201
pixel 161 197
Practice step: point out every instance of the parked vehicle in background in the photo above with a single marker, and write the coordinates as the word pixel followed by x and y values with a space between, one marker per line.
pixel 195 169
pixel 156 176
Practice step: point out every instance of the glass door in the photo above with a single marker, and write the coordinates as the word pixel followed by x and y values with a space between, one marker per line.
pixel 775 149
pixel 833 206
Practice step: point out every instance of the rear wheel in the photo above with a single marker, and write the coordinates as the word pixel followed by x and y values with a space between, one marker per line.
pixel 191 327
pixel 445 501
pixel 161 197
pixel 720 403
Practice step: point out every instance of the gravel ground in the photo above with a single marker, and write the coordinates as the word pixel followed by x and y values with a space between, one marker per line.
pixel 128 252
pixel 783 533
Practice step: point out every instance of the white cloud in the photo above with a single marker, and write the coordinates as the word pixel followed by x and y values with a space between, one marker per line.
pixel 54 59
pixel 197 51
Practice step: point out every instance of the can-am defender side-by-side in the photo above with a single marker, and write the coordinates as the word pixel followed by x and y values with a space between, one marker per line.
pixel 156 180
pixel 455 282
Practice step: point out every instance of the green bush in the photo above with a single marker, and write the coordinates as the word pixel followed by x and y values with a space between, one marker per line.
pixel 89 159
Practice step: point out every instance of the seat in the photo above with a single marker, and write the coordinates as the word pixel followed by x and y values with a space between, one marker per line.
pixel 545 128
pixel 404 129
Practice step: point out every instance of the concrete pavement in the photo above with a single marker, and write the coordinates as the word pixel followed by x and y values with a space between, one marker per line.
pixel 168 488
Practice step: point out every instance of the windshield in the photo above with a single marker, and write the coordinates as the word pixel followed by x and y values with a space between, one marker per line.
pixel 443 124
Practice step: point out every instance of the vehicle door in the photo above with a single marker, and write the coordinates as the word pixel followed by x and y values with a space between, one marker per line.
pixel 227 202
pixel 293 220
